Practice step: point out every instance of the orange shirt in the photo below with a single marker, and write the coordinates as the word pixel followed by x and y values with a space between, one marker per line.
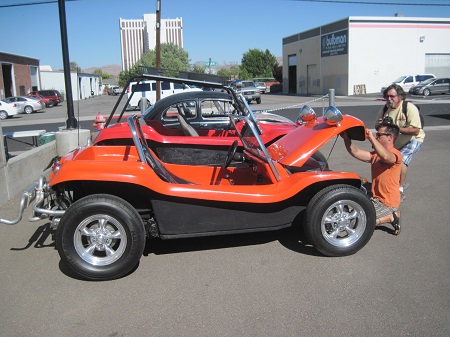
pixel 386 179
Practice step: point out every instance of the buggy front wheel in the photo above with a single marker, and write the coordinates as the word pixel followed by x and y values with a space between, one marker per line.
pixel 340 220
pixel 100 237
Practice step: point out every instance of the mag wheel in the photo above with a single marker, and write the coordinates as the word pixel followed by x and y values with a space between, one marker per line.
pixel 426 92
pixel 101 237
pixel 28 109
pixel 340 220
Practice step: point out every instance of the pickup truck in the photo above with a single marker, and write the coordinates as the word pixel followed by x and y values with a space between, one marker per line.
pixel 114 90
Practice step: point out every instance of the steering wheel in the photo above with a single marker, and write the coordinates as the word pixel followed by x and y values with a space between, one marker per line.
pixel 230 154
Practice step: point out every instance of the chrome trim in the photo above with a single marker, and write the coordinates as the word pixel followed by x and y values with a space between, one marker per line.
pixel 37 192
pixel 27 197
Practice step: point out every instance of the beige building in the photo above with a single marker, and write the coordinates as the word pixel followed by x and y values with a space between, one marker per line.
pixel 139 36
pixel 361 54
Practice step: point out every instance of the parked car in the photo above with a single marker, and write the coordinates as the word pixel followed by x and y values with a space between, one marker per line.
pixel 431 86
pixel 262 87
pixel 26 104
pixel 143 93
pixel 50 97
pixel 408 81
pixel 47 100
pixel 248 89
pixel 105 201
pixel 60 96
pixel 114 90
pixel 8 109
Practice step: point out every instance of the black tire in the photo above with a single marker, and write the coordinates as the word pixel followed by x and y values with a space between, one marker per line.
pixel 340 220
pixel 95 225
pixel 426 92
pixel 28 109
pixel 258 100
pixel 3 115
pixel 50 104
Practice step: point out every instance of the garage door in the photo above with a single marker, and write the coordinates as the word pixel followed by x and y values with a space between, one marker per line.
pixel 437 64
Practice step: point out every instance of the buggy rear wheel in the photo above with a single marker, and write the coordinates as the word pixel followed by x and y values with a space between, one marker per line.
pixel 100 237
pixel 340 220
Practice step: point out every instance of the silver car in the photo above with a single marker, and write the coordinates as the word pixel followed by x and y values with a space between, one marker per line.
pixel 261 86
pixel 248 90
pixel 27 104
pixel 431 86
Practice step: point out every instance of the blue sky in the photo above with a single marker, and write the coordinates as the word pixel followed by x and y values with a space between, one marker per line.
pixel 220 30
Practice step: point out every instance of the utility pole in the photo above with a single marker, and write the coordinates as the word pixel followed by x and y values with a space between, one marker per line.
pixel 158 46
pixel 71 122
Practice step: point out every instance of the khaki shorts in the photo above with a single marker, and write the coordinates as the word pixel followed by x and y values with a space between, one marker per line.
pixel 381 209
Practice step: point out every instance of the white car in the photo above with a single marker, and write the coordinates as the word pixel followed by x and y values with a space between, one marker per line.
pixel 8 109
pixel 28 104
pixel 408 81
pixel 144 92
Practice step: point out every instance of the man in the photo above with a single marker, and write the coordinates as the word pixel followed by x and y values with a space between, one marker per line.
pixel 386 162
pixel 411 134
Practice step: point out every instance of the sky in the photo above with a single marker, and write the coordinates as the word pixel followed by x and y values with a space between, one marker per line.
pixel 218 30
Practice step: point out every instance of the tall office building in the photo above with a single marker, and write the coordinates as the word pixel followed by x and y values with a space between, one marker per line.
pixel 139 36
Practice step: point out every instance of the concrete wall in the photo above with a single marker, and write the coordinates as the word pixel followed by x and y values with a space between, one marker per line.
pixel 19 172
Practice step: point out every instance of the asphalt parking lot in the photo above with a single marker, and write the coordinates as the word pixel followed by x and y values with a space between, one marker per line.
pixel 267 284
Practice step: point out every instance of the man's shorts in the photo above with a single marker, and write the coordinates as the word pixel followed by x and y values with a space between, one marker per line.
pixel 381 209
pixel 409 150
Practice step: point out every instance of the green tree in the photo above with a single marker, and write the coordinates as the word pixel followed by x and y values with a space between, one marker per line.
pixel 230 72
pixel 125 75
pixel 74 67
pixel 277 72
pixel 198 69
pixel 258 63
pixel 100 73
pixel 172 58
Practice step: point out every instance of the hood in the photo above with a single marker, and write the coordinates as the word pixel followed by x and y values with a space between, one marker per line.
pixel 296 147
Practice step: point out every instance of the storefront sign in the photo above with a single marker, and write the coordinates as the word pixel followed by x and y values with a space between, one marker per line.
pixel 335 43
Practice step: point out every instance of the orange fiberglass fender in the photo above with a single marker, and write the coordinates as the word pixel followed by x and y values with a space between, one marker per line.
pixel 124 167
pixel 297 146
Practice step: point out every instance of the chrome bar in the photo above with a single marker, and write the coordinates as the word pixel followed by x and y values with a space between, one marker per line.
pixel 27 197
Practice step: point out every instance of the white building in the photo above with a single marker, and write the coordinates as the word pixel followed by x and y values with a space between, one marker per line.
pixel 359 54
pixel 83 85
pixel 139 36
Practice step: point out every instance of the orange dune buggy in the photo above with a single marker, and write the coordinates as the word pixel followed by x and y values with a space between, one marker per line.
pixel 105 201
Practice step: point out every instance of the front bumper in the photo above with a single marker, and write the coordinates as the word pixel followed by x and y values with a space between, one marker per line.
pixel 43 207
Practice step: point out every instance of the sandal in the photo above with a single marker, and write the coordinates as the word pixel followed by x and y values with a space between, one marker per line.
pixel 396 223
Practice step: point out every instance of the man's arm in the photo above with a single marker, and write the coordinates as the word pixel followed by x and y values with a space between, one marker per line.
pixel 385 155
pixel 354 150
pixel 412 121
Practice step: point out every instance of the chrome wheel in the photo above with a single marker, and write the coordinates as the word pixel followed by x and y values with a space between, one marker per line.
pixel 100 240
pixel 340 220
pixel 343 223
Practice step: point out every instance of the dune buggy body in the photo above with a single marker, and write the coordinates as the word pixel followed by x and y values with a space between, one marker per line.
pixel 105 201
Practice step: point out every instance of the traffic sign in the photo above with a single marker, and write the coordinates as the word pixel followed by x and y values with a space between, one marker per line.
pixel 210 63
